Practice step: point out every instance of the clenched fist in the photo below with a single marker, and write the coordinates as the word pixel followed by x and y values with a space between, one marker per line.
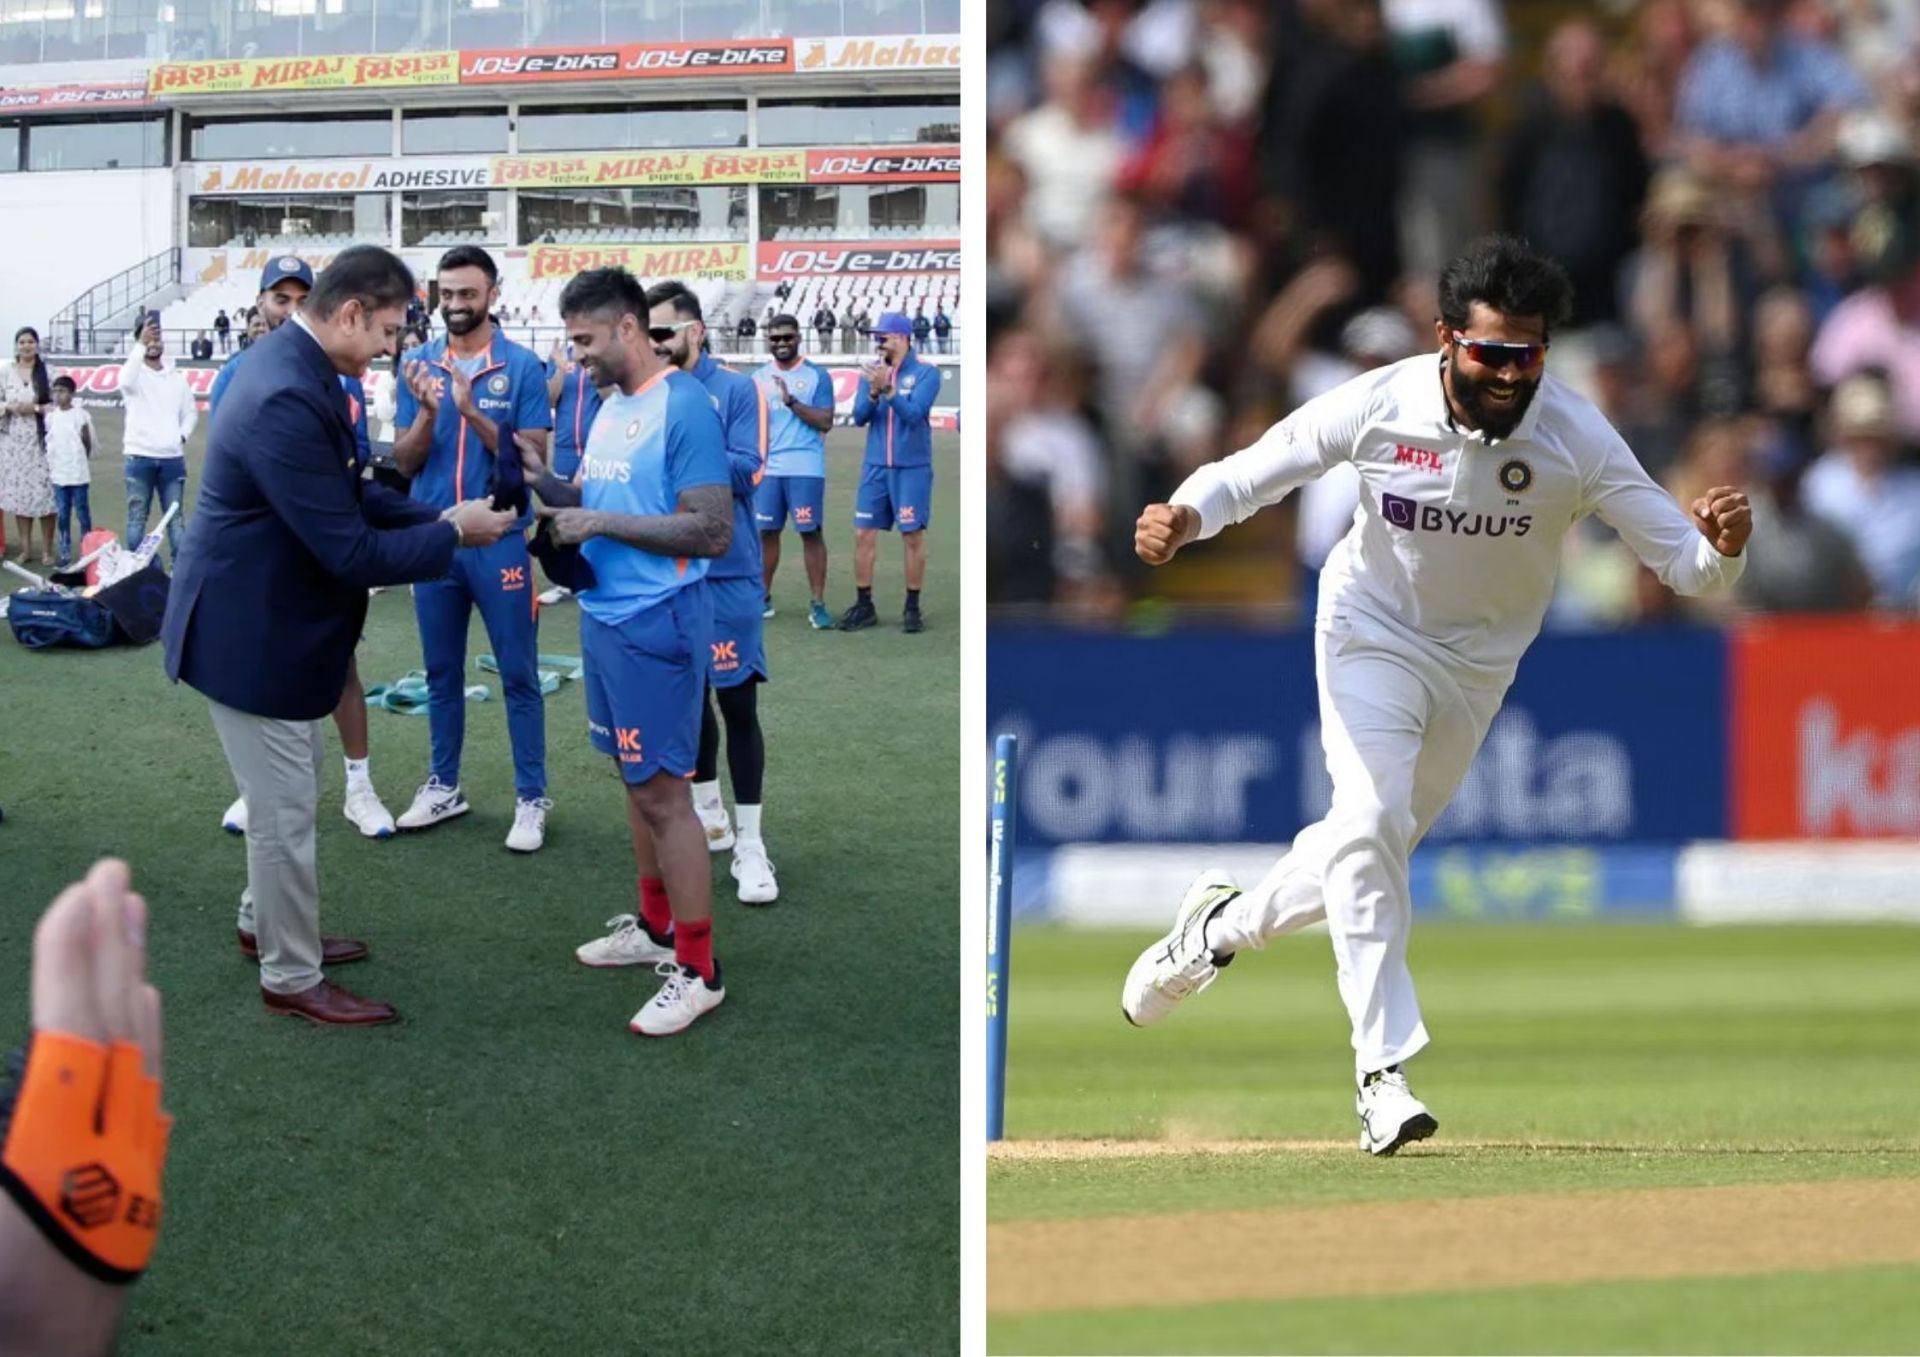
pixel 1163 529
pixel 1724 519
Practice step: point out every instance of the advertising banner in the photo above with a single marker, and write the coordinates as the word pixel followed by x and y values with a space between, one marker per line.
pixel 626 61
pixel 1213 737
pixel 281 74
pixel 723 259
pixel 918 164
pixel 856 258
pixel 933 52
pixel 52 98
pixel 646 169
pixel 227 177
pixel 1826 721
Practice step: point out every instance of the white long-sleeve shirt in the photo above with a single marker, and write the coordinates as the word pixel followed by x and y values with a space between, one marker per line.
pixel 159 406
pixel 1457 539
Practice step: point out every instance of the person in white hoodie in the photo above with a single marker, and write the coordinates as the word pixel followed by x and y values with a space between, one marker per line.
pixel 160 416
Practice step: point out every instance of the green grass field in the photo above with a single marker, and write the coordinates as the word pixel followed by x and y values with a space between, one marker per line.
pixel 509 1170
pixel 1598 1061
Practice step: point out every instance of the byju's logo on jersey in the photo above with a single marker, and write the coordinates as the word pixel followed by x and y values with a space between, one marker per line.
pixel 1410 515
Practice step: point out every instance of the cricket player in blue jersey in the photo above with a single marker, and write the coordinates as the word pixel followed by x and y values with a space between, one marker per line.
pixel 575 400
pixel 739 656
pixel 893 403
pixel 284 284
pixel 799 396
pixel 464 397
pixel 651 511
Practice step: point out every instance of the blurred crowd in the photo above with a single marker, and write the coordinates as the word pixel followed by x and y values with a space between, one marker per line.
pixel 1202 213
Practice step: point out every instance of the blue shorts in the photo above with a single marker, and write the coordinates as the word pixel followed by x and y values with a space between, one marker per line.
pixel 737 652
pixel 804 498
pixel 646 683
pixel 890 496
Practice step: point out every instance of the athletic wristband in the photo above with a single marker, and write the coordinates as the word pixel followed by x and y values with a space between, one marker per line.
pixel 83 1145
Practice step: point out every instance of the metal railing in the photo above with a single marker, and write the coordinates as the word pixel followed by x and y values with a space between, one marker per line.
pixel 104 314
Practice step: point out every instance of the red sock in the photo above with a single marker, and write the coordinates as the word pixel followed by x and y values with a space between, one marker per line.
pixel 693 946
pixel 654 911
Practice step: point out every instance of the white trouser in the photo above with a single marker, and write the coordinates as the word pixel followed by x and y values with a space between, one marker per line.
pixel 1399 729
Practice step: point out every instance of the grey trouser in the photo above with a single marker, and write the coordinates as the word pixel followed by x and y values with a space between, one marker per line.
pixel 276 765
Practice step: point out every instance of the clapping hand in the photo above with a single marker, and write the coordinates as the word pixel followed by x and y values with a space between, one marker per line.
pixel 462 388
pixel 425 385
pixel 786 396
pixel 879 378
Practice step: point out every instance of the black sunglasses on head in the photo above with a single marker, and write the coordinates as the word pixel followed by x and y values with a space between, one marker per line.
pixel 663 334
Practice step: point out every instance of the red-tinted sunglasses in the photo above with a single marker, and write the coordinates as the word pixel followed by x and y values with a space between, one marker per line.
pixel 1494 354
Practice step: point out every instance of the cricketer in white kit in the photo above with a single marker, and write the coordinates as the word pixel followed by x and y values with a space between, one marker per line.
pixel 1473 466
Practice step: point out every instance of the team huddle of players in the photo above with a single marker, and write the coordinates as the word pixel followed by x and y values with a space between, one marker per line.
pixel 661 482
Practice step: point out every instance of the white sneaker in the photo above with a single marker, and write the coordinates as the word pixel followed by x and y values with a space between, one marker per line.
pixel 434 804
pixel 719 828
pixel 235 820
pixel 754 873
pixel 1390 1116
pixel 529 830
pixel 1179 964
pixel 627 945
pixel 683 998
pixel 557 594
pixel 369 816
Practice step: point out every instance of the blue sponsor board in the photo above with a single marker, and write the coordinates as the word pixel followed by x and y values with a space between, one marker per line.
pixel 1213 737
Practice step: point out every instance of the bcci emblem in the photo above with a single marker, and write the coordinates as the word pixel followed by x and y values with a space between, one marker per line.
pixel 1515 476
pixel 633 430
pixel 498 385
pixel 290 264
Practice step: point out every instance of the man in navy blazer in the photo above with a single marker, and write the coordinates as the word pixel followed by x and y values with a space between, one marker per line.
pixel 271 594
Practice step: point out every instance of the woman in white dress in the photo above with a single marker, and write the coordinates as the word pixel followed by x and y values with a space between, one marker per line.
pixel 26 484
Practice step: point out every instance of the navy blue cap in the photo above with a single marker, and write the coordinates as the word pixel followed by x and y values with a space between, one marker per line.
pixel 283 267
pixel 892 323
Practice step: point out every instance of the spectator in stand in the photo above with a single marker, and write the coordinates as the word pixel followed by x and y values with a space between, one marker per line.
pixel 1451 55
pixel 1572 175
pixel 747 329
pixel 1647 72
pixel 222 328
pixel 1783 386
pixel 781 292
pixel 942 329
pixel 1879 326
pixel 1070 149
pixel 1192 163
pixel 922 328
pixel 849 330
pixel 823 328
pixel 1759 105
pixel 202 348
pixel 1694 273
pixel 1861 487
pixel 1333 89
pixel 1809 565
pixel 26 488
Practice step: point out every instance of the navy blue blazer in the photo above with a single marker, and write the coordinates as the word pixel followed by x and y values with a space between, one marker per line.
pixel 270 593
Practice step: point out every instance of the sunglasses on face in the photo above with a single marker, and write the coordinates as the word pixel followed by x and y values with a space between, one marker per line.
pixel 791 337
pixel 1494 354
pixel 663 334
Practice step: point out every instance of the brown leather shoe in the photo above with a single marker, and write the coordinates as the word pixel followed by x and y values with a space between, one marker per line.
pixel 327 1003
pixel 333 951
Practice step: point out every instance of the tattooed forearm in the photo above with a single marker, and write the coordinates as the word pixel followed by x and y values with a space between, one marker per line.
pixel 702 527
pixel 560 494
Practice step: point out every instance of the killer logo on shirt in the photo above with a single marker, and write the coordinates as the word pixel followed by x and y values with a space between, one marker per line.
pixel 1423 459
pixel 1515 476
pixel 1412 516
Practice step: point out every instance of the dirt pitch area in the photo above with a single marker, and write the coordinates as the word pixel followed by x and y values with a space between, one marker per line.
pixel 1437 1245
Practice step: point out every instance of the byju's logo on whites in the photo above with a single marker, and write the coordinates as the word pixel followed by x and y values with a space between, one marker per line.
pixel 1412 516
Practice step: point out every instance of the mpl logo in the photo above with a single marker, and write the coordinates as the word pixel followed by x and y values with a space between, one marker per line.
pixel 1422 459
pixel 1409 515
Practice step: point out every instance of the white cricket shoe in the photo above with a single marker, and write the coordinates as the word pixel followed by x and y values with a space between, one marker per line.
pixel 433 804
pixel 683 998
pixel 557 594
pixel 628 944
pixel 235 820
pixel 1390 1116
pixel 1180 964
pixel 529 830
pixel 754 873
pixel 719 828
pixel 369 816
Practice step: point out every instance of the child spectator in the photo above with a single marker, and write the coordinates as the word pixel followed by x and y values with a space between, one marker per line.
pixel 69 448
